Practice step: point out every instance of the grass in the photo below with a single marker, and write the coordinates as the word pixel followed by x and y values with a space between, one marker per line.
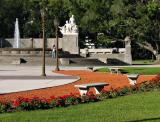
pixel 144 62
pixel 136 70
pixel 141 70
pixel 103 70
pixel 133 108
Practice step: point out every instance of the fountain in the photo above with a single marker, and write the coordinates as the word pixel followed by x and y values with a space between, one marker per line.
pixel 16 35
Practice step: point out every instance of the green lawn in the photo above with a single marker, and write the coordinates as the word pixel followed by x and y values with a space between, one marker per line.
pixel 142 62
pixel 103 70
pixel 141 70
pixel 142 107
pixel 136 70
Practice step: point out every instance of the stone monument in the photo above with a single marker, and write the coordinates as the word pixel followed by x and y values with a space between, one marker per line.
pixel 70 36
pixel 128 55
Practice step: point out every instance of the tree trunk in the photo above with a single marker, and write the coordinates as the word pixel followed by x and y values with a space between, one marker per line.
pixel 150 48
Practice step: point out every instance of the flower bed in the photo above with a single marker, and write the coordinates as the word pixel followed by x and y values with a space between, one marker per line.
pixel 36 103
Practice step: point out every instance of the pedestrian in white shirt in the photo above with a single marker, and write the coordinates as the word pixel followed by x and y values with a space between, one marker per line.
pixel 53 51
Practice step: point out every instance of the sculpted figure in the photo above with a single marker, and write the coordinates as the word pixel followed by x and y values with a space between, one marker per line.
pixel 68 27
pixel 62 29
pixel 74 29
pixel 72 20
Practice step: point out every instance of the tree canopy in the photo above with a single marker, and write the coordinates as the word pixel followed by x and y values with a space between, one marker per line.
pixel 103 21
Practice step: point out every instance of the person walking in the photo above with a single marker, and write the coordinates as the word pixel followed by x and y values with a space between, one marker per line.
pixel 53 51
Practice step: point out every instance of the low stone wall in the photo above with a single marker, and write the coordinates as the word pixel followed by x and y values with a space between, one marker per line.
pixel 32 42
pixel 102 51
pixel 23 51
pixel 109 55
pixel 69 43
pixel 110 58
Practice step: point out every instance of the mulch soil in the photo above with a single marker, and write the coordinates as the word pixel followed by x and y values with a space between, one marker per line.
pixel 114 80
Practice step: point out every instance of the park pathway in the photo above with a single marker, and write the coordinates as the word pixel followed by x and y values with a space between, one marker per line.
pixel 17 79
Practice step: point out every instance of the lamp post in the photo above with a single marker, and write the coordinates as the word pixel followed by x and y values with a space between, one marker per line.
pixel 31 24
pixel 56 24
pixel 43 52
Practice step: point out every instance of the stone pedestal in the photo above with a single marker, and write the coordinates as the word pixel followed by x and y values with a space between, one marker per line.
pixel 65 61
pixel 70 43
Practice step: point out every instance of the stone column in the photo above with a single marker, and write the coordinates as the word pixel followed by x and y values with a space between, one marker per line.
pixel 128 55
pixel 32 42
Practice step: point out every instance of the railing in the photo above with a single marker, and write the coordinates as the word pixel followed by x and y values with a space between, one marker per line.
pixel 26 51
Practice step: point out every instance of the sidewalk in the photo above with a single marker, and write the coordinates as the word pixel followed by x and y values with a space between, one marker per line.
pixel 17 78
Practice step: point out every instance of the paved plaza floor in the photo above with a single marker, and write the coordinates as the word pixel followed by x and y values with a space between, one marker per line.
pixel 21 78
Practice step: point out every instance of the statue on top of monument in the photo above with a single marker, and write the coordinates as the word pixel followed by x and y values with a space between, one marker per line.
pixel 70 27
pixel 67 27
pixel 62 29
pixel 74 29
pixel 72 20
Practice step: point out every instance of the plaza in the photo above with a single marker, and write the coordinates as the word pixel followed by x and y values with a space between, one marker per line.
pixel 26 80
pixel 17 79
pixel 74 61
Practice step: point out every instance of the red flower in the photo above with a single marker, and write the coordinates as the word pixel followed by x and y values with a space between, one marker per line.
pixel 16 103
pixel 111 88
pixel 103 91
pixel 48 101
pixel 52 97
pixel 26 100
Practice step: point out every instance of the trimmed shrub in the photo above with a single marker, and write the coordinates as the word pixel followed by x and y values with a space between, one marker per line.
pixel 5 107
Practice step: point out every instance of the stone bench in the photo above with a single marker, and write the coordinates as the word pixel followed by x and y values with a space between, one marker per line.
pixel 115 70
pixel 90 68
pixel 84 88
pixel 132 78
